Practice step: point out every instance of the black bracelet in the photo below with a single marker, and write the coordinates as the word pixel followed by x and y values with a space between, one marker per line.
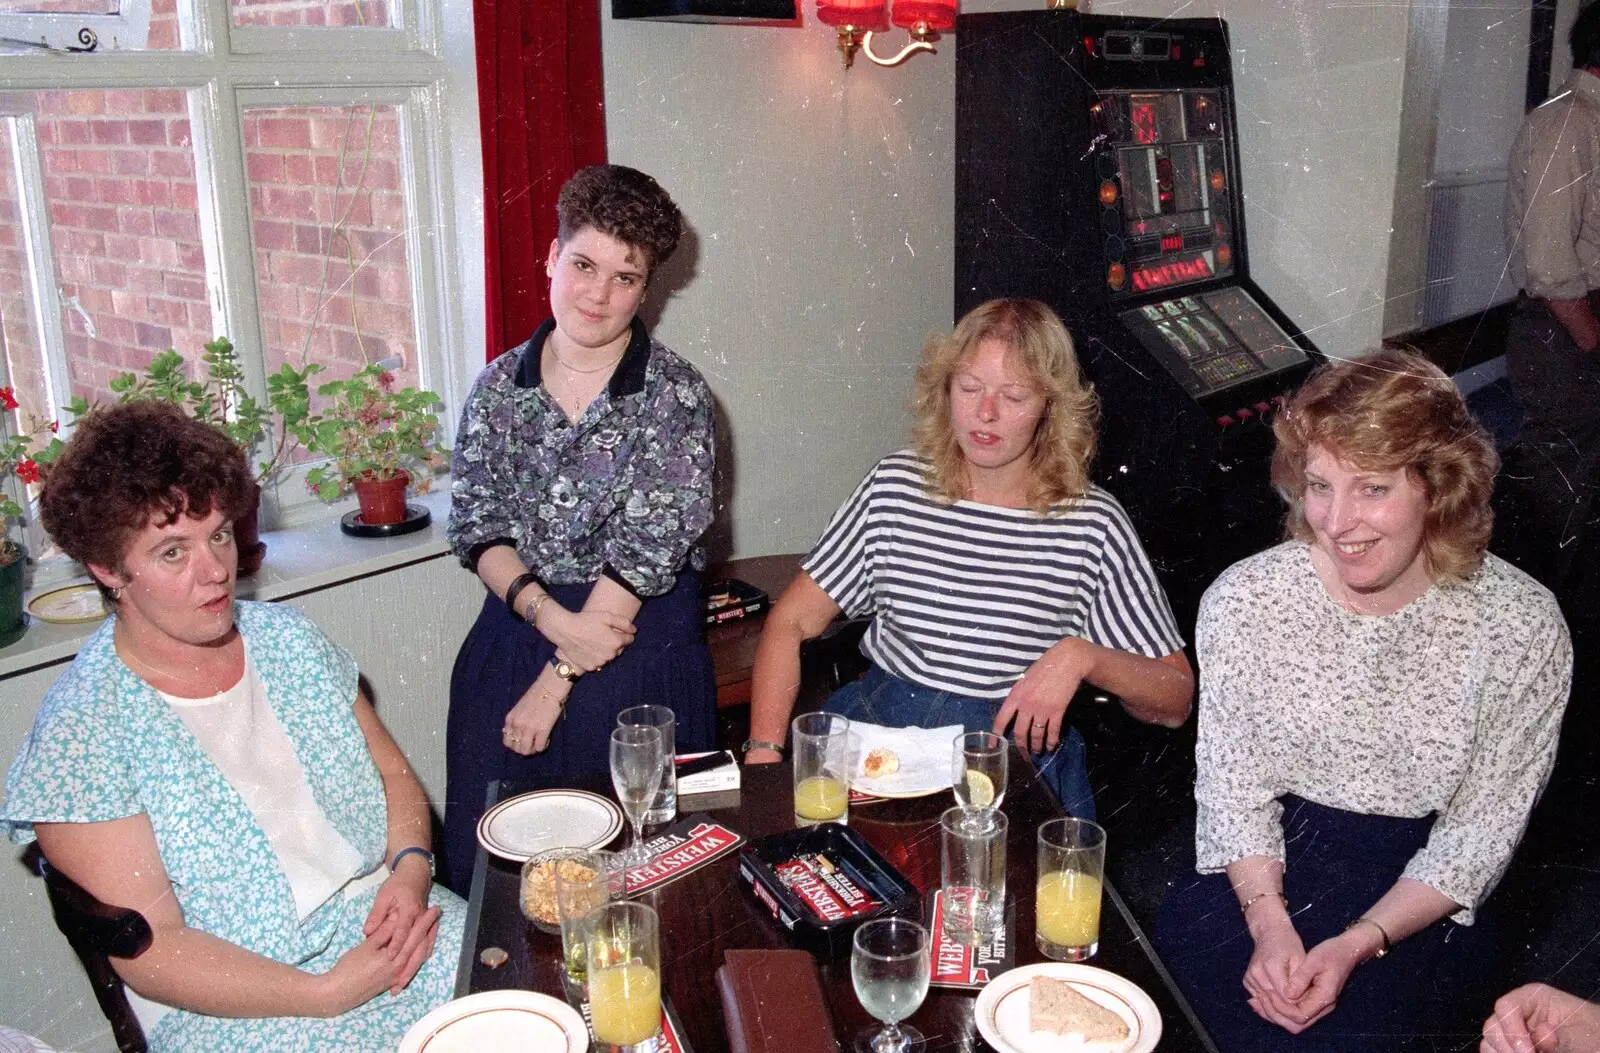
pixel 515 590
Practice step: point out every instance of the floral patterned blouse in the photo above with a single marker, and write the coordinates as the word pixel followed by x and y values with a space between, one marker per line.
pixel 625 492
pixel 1451 706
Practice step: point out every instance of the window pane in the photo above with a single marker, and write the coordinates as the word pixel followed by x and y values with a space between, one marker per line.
pixel 24 363
pixel 328 212
pixel 356 14
pixel 125 230
pixel 97 25
pixel 59 7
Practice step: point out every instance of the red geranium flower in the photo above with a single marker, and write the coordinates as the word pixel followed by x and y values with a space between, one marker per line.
pixel 8 399
pixel 55 426
pixel 28 472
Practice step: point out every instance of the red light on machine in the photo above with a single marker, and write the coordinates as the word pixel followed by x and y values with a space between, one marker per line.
pixel 1116 276
pixel 1172 243
pixel 1108 193
pixel 1217 180
pixel 1224 256
pixel 1088 44
pixel 1177 53
pixel 1164 184
pixel 1170 273
pixel 1144 123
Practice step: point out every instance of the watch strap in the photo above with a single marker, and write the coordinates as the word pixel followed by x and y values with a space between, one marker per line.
pixel 565 670
pixel 760 744
pixel 417 850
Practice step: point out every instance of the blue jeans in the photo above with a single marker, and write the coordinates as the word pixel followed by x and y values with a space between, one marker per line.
pixel 882 698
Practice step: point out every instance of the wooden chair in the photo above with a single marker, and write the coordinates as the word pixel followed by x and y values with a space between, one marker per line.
pixel 98 932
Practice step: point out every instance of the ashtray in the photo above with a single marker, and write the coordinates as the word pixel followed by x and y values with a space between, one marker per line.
pixel 822 881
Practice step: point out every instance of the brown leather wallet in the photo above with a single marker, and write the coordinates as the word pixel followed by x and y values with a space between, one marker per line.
pixel 772 1003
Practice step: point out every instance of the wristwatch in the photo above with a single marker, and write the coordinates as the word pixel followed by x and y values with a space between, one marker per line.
pixel 414 850
pixel 759 744
pixel 566 670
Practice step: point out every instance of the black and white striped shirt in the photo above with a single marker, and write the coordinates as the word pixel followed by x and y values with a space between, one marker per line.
pixel 965 597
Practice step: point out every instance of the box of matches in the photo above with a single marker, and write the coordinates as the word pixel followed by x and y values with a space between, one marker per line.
pixel 822 881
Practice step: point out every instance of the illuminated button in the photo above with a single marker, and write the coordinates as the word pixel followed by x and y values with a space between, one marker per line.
pixel 1108 193
pixel 1217 182
pixel 1224 255
pixel 1116 275
pixel 1263 407
pixel 1224 421
pixel 1243 414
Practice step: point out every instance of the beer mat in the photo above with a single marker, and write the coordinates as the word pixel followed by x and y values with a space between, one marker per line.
pixel 672 1037
pixel 954 964
pixel 824 887
pixel 685 846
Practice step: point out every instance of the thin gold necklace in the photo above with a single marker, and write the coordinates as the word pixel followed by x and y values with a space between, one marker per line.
pixel 569 367
pixel 204 684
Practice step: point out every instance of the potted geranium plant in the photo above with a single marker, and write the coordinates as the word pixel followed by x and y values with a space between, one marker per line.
pixel 378 439
pixel 15 458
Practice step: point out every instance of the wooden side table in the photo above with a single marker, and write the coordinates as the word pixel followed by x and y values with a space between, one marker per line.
pixel 733 644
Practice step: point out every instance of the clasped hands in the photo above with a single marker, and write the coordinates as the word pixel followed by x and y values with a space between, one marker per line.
pixel 400 933
pixel 586 638
pixel 1292 987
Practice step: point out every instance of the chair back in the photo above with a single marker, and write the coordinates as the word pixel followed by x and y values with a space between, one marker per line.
pixel 98 932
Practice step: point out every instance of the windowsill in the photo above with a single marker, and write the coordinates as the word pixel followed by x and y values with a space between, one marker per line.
pixel 301 558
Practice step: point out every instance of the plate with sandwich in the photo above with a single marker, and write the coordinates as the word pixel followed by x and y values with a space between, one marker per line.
pixel 1056 1007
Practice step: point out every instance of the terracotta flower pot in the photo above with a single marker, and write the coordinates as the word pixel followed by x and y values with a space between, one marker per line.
pixel 383 501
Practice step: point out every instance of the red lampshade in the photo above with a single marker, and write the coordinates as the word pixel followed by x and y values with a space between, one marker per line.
pixel 937 15
pixel 862 14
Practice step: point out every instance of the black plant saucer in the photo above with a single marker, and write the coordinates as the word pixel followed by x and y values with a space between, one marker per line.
pixel 417 517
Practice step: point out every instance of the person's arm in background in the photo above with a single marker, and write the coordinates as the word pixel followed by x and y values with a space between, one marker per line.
pixel 801 614
pixel 117 862
pixel 1556 185
pixel 1536 1017
pixel 1154 690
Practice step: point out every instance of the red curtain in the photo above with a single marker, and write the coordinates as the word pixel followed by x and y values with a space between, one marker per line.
pixel 542 112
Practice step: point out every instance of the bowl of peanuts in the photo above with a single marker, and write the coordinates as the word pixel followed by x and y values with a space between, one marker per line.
pixel 539 884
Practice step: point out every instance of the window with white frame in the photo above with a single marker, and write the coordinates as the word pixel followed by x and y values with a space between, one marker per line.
pixel 281 172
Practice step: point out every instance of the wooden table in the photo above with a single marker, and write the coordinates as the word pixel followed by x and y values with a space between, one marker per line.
pixel 708 912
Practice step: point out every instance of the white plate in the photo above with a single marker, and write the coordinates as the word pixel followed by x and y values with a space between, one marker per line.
pixel 529 823
pixel 68 605
pixel 1002 1011
pixel 924 759
pixel 499 1022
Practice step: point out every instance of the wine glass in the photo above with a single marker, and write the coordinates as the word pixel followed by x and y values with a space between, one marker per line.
pixel 637 755
pixel 890 969
pixel 978 767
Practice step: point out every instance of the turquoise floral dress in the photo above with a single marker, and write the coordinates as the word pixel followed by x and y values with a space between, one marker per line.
pixel 106 746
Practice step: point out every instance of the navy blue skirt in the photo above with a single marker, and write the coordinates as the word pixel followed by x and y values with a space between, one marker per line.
pixel 667 664
pixel 1338 865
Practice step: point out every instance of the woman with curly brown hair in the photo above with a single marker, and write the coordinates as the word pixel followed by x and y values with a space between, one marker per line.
pixel 1379 706
pixel 213 765
pixel 582 484
pixel 998 578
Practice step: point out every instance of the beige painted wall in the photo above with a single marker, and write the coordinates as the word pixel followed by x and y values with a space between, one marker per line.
pixel 821 203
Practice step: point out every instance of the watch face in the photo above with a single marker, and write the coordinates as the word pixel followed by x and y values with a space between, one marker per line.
pixel 566 670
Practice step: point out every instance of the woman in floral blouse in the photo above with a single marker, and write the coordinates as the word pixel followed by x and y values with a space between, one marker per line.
pixel 1380 701
pixel 582 472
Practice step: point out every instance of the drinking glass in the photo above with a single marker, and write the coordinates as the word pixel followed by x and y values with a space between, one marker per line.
pixel 585 881
pixel 636 759
pixel 664 808
pixel 973 874
pixel 889 967
pixel 821 768
pixel 1072 859
pixel 624 964
pixel 978 768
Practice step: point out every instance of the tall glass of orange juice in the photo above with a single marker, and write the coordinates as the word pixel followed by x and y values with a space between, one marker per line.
pixel 821 768
pixel 624 950
pixel 1072 860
